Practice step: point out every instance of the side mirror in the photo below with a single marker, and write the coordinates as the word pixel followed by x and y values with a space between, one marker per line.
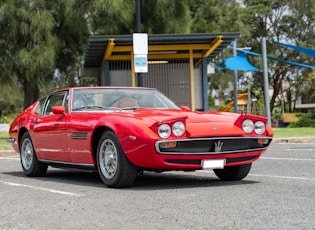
pixel 58 109
pixel 185 108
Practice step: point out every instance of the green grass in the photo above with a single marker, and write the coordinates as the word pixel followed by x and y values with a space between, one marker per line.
pixel 293 132
pixel 3 144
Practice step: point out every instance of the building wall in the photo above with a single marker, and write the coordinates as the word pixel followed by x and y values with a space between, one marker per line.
pixel 173 79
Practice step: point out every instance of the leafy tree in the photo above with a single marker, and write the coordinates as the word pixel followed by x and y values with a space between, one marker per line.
pixel 214 16
pixel 157 17
pixel 38 37
pixel 165 17
pixel 285 21
pixel 111 17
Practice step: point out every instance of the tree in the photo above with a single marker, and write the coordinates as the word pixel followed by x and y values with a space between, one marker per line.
pixel 157 17
pixel 285 21
pixel 38 37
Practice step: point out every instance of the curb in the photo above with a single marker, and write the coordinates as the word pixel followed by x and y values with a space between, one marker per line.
pixel 294 140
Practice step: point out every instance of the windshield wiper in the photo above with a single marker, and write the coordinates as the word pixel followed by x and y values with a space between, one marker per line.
pixel 86 107
pixel 131 108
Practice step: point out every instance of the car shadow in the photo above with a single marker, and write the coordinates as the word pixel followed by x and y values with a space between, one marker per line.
pixel 181 180
pixel 147 181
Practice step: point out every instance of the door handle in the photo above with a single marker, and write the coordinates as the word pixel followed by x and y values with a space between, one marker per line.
pixel 37 120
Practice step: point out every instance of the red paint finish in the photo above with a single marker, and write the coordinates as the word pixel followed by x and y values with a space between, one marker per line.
pixel 70 133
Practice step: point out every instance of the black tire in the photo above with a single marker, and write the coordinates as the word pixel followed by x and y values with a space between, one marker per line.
pixel 30 164
pixel 233 173
pixel 114 168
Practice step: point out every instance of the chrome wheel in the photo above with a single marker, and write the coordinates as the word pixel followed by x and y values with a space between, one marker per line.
pixel 30 164
pixel 27 154
pixel 115 169
pixel 108 158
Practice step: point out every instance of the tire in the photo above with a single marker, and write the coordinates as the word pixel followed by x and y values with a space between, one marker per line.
pixel 30 164
pixel 233 173
pixel 114 168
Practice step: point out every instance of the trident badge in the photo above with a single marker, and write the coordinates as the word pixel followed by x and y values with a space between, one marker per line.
pixel 218 146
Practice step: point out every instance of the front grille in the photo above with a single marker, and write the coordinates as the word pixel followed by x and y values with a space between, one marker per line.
pixel 213 145
pixel 198 162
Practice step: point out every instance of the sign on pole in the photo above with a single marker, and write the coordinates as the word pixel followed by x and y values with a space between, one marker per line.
pixel 141 63
pixel 140 50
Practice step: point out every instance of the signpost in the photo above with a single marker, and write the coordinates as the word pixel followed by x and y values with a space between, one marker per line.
pixel 140 51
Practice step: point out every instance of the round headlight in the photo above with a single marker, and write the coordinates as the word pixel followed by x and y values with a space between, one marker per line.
pixel 259 127
pixel 248 126
pixel 178 128
pixel 164 131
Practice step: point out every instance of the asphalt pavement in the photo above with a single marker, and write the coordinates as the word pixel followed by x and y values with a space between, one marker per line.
pixel 277 194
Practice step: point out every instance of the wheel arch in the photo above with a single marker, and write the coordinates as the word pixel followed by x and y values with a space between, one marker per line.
pixel 21 133
pixel 96 137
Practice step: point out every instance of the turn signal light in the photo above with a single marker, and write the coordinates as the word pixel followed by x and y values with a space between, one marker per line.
pixel 170 144
pixel 262 141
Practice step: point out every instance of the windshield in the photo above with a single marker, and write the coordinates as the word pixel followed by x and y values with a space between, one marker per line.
pixel 93 99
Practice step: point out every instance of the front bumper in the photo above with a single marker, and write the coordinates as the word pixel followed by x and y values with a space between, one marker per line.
pixel 10 140
pixel 215 145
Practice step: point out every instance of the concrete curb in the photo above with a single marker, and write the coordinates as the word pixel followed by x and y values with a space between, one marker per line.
pixel 294 140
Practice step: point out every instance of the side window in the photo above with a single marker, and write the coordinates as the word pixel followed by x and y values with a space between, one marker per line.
pixel 58 99
pixel 40 107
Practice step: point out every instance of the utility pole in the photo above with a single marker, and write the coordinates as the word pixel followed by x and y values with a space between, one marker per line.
pixel 266 81
pixel 235 81
pixel 138 30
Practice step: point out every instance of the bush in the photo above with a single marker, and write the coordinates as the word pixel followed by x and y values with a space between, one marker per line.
pixel 7 119
pixel 306 120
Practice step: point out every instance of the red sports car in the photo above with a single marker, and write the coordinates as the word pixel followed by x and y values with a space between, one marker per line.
pixel 121 131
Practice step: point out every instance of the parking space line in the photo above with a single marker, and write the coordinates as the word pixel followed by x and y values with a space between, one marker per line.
pixel 41 189
pixel 9 158
pixel 288 159
pixel 270 176
pixel 282 177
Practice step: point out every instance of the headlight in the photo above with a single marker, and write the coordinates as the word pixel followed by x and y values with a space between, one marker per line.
pixel 248 126
pixel 178 128
pixel 259 127
pixel 164 131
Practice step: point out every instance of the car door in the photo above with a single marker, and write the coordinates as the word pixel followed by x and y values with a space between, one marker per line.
pixel 50 136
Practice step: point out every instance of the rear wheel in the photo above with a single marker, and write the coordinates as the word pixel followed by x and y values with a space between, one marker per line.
pixel 233 172
pixel 30 164
pixel 114 168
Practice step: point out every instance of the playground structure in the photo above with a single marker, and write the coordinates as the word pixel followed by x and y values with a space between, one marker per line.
pixel 242 103
pixel 242 100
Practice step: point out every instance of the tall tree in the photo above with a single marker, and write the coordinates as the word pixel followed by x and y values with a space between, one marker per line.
pixel 285 21
pixel 38 37
pixel 157 17
pixel 216 16
pixel 28 43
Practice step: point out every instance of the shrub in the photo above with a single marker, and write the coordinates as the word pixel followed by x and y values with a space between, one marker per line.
pixel 7 119
pixel 307 120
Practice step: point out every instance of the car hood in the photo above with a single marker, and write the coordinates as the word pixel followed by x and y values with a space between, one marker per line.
pixel 197 123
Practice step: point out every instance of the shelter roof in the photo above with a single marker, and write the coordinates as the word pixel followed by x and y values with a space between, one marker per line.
pixel 160 47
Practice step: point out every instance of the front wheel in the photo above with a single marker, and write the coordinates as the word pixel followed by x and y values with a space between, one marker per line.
pixel 30 164
pixel 233 173
pixel 114 168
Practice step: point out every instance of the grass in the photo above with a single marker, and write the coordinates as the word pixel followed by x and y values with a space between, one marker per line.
pixel 278 133
pixel 293 132
pixel 3 144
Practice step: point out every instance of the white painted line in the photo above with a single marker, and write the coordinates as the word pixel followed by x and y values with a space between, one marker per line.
pixel 293 149
pixel 286 159
pixel 41 189
pixel 270 176
pixel 9 158
pixel 283 177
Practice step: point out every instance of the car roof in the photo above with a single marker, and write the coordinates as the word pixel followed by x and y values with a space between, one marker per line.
pixel 97 87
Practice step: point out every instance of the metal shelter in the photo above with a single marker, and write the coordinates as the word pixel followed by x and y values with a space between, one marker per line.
pixel 177 63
